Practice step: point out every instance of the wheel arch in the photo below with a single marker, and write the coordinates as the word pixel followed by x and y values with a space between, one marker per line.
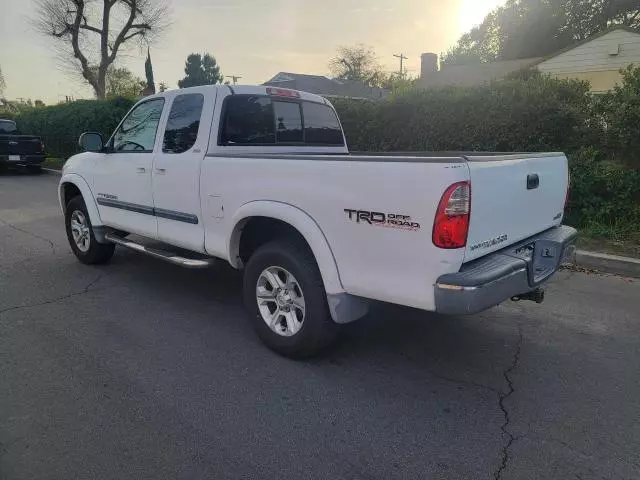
pixel 300 222
pixel 70 185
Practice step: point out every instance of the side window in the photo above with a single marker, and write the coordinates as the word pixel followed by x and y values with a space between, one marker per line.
pixel 248 120
pixel 181 132
pixel 138 131
pixel 321 126
pixel 288 122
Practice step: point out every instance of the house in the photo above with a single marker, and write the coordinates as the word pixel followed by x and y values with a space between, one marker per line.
pixel 598 59
pixel 468 75
pixel 327 87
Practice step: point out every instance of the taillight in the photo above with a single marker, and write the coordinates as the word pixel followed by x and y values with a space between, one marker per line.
pixel 451 225
pixel 42 147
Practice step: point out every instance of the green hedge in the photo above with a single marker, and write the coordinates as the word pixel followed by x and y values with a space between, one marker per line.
pixel 61 125
pixel 605 196
pixel 535 114
pixel 619 110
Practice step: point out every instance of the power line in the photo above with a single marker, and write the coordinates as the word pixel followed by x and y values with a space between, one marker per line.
pixel 401 57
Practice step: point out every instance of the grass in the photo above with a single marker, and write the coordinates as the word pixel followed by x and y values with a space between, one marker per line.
pixel 598 237
pixel 53 163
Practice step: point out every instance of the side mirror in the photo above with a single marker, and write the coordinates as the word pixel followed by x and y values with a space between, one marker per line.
pixel 91 142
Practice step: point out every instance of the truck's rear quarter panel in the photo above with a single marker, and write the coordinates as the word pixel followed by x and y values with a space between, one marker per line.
pixel 377 260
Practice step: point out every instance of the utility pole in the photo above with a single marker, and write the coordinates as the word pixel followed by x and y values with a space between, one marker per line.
pixel 401 57
pixel 234 78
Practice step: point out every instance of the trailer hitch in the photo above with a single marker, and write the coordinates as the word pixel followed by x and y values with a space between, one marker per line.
pixel 536 295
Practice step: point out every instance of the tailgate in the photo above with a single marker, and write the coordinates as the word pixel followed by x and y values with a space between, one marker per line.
pixel 19 145
pixel 514 197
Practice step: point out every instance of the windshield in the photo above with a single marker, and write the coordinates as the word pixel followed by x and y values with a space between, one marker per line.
pixel 8 126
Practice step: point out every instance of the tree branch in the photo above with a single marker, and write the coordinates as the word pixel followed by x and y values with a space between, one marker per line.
pixel 85 25
pixel 128 37
pixel 92 29
pixel 123 33
pixel 75 44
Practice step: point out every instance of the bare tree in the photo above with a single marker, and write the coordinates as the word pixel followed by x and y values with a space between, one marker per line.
pixel 358 62
pixel 91 33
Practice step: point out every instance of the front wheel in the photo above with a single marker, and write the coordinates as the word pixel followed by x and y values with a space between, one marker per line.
pixel 80 235
pixel 285 297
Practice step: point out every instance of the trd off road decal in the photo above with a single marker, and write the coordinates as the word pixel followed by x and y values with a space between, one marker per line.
pixel 389 220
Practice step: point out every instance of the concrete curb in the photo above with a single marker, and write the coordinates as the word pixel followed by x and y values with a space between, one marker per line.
pixel 51 170
pixel 605 263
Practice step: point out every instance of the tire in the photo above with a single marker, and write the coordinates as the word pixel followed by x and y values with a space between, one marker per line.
pixel 95 253
pixel 34 169
pixel 317 330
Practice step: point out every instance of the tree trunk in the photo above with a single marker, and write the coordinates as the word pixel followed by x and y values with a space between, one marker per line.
pixel 101 89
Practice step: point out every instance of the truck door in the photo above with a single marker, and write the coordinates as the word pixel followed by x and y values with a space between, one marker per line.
pixel 122 179
pixel 176 170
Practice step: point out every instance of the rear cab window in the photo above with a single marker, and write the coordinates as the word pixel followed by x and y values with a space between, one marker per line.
pixel 248 120
pixel 321 126
pixel 8 127
pixel 268 121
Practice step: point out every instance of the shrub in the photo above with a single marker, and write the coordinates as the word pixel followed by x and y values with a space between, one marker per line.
pixel 620 113
pixel 537 113
pixel 605 195
pixel 61 125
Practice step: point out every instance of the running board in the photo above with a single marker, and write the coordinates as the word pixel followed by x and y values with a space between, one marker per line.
pixel 162 255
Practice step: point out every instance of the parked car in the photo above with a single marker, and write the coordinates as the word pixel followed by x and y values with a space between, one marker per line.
pixel 261 178
pixel 17 149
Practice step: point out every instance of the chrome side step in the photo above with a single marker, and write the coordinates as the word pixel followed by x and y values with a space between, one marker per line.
pixel 161 254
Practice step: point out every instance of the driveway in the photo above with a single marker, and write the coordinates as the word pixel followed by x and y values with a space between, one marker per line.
pixel 140 369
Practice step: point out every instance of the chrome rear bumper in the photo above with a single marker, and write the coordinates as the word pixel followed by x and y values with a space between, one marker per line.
pixel 513 271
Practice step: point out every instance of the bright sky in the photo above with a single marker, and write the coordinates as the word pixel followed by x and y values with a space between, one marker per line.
pixel 252 38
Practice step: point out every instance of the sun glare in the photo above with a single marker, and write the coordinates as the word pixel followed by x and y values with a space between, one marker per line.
pixel 472 12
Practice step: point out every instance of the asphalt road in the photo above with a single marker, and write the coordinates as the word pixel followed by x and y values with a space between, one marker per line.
pixel 140 369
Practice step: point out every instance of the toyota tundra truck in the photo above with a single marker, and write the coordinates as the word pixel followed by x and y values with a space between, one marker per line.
pixel 261 178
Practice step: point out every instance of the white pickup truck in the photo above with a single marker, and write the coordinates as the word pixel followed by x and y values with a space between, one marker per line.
pixel 261 177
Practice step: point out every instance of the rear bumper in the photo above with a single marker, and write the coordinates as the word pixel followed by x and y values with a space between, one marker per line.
pixel 515 270
pixel 24 160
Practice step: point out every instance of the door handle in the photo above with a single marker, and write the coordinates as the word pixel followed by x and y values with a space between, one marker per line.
pixel 141 170
pixel 161 171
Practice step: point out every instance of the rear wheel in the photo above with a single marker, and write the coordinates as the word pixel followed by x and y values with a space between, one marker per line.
pixel 35 169
pixel 80 235
pixel 284 295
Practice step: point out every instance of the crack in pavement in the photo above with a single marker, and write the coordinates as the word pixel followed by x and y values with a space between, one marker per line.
pixel 502 397
pixel 57 299
pixel 34 235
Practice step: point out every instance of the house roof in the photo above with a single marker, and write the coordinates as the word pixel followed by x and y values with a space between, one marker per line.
pixel 587 40
pixel 476 74
pixel 325 86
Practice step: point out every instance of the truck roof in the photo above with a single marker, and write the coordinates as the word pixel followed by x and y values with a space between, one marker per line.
pixel 256 90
